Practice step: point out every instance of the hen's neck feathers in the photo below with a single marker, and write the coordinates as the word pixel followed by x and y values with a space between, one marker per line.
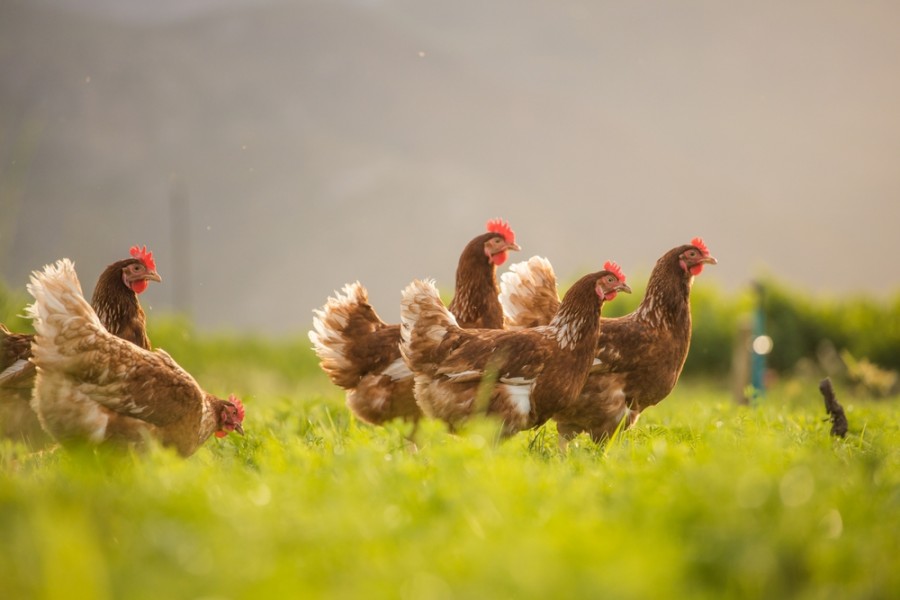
pixel 667 301
pixel 210 417
pixel 577 322
pixel 477 291
pixel 118 307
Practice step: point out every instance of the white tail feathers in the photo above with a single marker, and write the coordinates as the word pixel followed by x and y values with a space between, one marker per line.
pixel 58 299
pixel 329 322
pixel 60 314
pixel 528 293
pixel 424 320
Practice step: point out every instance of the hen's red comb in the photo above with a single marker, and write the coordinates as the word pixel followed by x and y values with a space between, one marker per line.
pixel 238 405
pixel 502 227
pixel 698 243
pixel 144 256
pixel 615 270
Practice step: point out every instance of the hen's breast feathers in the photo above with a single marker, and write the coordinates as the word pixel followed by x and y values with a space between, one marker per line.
pixel 118 308
pixel 620 344
pixel 476 302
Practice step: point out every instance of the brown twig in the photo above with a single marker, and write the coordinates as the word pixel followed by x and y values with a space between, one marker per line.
pixel 834 409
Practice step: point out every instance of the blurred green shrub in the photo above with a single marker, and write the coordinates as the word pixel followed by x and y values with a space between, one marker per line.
pixel 800 325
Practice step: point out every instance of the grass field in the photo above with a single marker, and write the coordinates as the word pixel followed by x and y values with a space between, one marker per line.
pixel 703 499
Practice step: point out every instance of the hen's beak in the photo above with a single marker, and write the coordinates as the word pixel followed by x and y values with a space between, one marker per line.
pixel 512 246
pixel 239 428
pixel 152 276
pixel 622 287
pixel 710 260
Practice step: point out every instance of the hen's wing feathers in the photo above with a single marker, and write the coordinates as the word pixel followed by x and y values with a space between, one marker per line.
pixel 15 349
pixel 129 380
pixel 19 374
pixel 473 354
pixel 13 346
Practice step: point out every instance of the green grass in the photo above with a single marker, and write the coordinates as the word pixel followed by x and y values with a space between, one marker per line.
pixel 703 499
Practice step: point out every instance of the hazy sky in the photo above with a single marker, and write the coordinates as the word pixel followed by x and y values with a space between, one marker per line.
pixel 321 142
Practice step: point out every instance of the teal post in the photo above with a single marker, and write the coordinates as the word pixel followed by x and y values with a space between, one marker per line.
pixel 758 359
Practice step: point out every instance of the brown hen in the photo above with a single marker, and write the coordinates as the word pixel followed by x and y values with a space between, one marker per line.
pixel 639 356
pixel 360 353
pixel 522 377
pixel 94 388
pixel 116 303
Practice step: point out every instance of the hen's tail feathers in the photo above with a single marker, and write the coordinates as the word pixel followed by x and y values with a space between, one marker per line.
pixel 424 322
pixel 528 293
pixel 345 320
pixel 59 310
